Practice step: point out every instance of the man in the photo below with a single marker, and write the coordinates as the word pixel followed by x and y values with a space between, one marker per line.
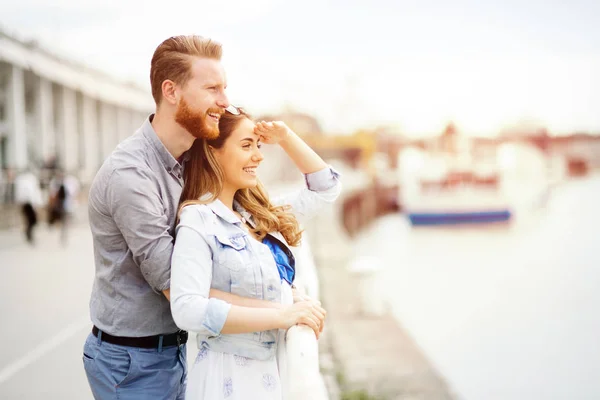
pixel 135 350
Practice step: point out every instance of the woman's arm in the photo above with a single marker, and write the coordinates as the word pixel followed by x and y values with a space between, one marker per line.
pixel 277 132
pixel 244 320
pixel 193 310
pixel 323 184
pixel 242 301
pixel 191 277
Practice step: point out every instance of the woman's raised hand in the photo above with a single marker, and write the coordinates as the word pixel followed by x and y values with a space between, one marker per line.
pixel 272 132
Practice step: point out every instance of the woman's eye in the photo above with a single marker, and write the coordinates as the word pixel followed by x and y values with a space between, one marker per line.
pixel 259 145
pixel 246 146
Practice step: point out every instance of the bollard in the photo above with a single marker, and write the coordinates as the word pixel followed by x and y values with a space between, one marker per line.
pixel 366 270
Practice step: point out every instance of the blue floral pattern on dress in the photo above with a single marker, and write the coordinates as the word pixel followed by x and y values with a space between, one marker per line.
pixel 269 382
pixel 202 354
pixel 241 361
pixel 227 387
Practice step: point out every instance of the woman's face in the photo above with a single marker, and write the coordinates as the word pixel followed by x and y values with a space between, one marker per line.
pixel 240 156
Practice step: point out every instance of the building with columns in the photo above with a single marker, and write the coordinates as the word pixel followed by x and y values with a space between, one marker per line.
pixel 54 108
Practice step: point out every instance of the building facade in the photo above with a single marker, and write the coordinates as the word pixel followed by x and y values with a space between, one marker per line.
pixel 53 111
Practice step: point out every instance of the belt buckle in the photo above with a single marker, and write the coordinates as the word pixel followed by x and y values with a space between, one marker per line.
pixel 179 335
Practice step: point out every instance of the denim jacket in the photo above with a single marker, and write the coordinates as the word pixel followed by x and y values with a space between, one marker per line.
pixel 212 250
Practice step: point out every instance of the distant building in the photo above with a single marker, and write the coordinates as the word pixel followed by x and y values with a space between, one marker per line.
pixel 277 166
pixel 578 147
pixel 302 124
pixel 54 108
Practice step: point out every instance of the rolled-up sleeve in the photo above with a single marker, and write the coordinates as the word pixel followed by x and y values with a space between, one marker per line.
pixel 323 180
pixel 322 188
pixel 138 211
pixel 191 276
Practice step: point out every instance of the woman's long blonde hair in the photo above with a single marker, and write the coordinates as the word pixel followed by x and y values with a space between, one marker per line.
pixel 204 177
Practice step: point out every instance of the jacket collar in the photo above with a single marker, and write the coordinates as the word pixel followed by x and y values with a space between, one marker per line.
pixel 245 214
pixel 222 211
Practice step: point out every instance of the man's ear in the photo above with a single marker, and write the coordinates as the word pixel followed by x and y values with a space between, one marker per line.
pixel 169 91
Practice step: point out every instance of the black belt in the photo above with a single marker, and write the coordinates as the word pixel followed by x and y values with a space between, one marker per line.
pixel 146 342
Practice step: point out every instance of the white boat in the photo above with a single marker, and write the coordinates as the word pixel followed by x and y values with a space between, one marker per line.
pixel 444 194
pixel 449 183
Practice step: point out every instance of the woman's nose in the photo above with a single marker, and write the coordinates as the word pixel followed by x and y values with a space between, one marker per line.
pixel 258 157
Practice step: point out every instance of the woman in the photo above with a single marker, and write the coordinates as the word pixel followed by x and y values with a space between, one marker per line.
pixel 232 270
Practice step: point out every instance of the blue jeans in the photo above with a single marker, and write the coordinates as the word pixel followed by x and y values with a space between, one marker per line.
pixel 123 372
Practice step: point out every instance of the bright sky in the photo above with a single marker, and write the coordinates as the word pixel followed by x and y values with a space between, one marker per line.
pixel 484 64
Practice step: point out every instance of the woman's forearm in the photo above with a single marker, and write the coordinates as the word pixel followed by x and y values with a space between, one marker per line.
pixel 305 158
pixel 247 320
pixel 243 301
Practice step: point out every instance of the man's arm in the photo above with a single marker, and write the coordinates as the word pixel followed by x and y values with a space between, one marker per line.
pixel 137 209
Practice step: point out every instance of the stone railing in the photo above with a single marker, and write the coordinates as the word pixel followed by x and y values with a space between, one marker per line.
pixel 302 349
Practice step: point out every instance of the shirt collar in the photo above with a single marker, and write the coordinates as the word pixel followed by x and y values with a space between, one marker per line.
pixel 169 162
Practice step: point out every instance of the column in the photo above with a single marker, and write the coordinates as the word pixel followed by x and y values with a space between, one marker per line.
pixel 17 140
pixel 90 134
pixel 123 124
pixel 108 125
pixel 136 120
pixel 45 123
pixel 69 145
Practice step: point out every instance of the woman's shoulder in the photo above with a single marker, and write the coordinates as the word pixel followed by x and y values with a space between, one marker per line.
pixel 195 212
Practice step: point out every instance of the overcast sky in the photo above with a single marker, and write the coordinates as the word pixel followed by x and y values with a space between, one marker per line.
pixel 415 64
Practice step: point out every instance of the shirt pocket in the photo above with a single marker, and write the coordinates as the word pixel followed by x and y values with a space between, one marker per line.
pixel 233 253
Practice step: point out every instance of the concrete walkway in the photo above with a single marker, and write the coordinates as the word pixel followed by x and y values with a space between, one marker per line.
pixel 372 354
pixel 45 316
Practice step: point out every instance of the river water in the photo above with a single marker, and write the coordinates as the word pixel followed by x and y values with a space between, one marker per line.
pixel 503 312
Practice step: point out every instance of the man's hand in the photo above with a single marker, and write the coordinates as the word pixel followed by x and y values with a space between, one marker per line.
pixel 167 293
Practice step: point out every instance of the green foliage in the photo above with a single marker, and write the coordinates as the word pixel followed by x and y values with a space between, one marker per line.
pixel 358 395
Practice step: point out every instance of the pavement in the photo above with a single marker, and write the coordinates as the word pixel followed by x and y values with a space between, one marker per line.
pixel 44 312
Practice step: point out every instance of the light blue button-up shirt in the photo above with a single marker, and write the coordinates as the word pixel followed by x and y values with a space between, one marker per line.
pixel 213 250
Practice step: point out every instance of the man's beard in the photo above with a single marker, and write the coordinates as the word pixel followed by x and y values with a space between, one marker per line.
pixel 195 122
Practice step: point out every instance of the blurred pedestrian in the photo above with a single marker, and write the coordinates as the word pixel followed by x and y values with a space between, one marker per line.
pixel 63 191
pixel 28 196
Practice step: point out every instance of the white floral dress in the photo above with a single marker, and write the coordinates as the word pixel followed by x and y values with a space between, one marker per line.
pixel 216 375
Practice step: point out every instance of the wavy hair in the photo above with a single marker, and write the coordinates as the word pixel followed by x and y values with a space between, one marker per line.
pixel 203 183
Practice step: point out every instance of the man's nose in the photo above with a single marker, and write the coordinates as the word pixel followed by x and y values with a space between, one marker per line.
pixel 223 101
